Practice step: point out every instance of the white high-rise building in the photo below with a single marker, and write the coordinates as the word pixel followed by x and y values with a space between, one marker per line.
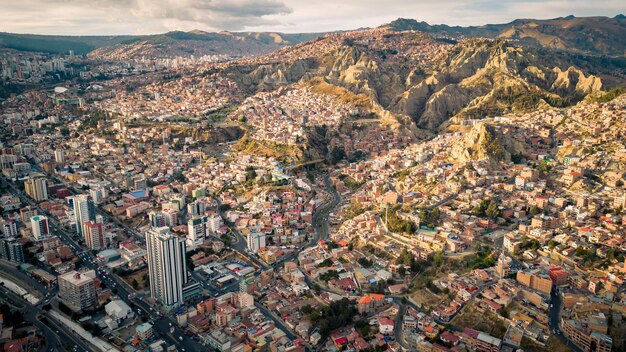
pixel 59 156
pixel 256 241
pixel 83 210
pixel 196 230
pixel 166 266
pixel 170 217
pixel 98 194
pixel 40 227
pixel 36 188
pixel 213 224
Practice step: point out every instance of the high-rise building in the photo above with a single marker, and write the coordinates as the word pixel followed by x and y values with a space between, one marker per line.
pixel 166 266
pixel 94 235
pixel 196 208
pixel 256 241
pixel 83 210
pixel 11 250
pixel 9 228
pixel 59 156
pixel 78 290
pixel 27 212
pixel 40 227
pixel 156 219
pixel 196 230
pixel 170 217
pixel 213 224
pixel 36 188
pixel 98 194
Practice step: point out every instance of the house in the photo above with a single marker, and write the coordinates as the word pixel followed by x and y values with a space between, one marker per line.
pixel 370 303
pixel 385 326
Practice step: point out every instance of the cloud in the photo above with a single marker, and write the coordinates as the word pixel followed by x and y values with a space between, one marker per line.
pixel 157 16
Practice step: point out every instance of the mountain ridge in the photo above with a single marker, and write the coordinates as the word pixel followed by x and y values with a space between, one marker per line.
pixel 594 35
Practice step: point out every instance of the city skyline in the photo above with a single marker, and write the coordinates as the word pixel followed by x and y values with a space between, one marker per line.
pixel 134 17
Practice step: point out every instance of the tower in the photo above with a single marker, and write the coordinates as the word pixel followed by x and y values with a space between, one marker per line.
pixel 94 235
pixel 166 266
pixel 36 188
pixel 83 211
pixel 39 226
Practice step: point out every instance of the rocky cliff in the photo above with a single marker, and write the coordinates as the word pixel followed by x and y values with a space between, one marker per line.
pixel 472 79
pixel 484 142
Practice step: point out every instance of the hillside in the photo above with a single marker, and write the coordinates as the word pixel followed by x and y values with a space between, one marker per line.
pixel 159 45
pixel 419 78
pixel 587 35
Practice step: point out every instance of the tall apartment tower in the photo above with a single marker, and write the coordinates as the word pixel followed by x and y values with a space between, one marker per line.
pixel 59 156
pixel 78 290
pixel 94 235
pixel 196 230
pixel 36 188
pixel 83 210
pixel 166 266
pixel 40 227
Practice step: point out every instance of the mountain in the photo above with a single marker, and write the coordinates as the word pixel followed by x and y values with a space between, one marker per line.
pixel 159 45
pixel 59 43
pixel 418 78
pixel 587 35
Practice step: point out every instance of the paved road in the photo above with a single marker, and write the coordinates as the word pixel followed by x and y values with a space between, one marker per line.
pixel 320 217
pixel 52 334
pixel 554 319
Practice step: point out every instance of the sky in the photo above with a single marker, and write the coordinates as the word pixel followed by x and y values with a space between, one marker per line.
pixel 108 17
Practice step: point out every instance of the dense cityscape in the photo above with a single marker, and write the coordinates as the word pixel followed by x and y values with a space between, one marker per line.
pixel 393 188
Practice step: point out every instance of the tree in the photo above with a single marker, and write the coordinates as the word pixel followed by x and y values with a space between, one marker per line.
pixel 364 262
pixel 135 284
pixel 493 211
pixel 337 154
pixel 534 210
pixel 504 312
pixel 552 244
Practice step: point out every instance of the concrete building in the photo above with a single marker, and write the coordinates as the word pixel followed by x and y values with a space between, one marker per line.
pixel 256 241
pixel 11 250
pixel 535 281
pixel 144 331
pixel 82 210
pixel 196 230
pixel 36 188
pixel 94 235
pixel 586 339
pixel 166 266
pixel 9 228
pixel 157 219
pixel 98 194
pixel 40 227
pixel 78 290
pixel 59 156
